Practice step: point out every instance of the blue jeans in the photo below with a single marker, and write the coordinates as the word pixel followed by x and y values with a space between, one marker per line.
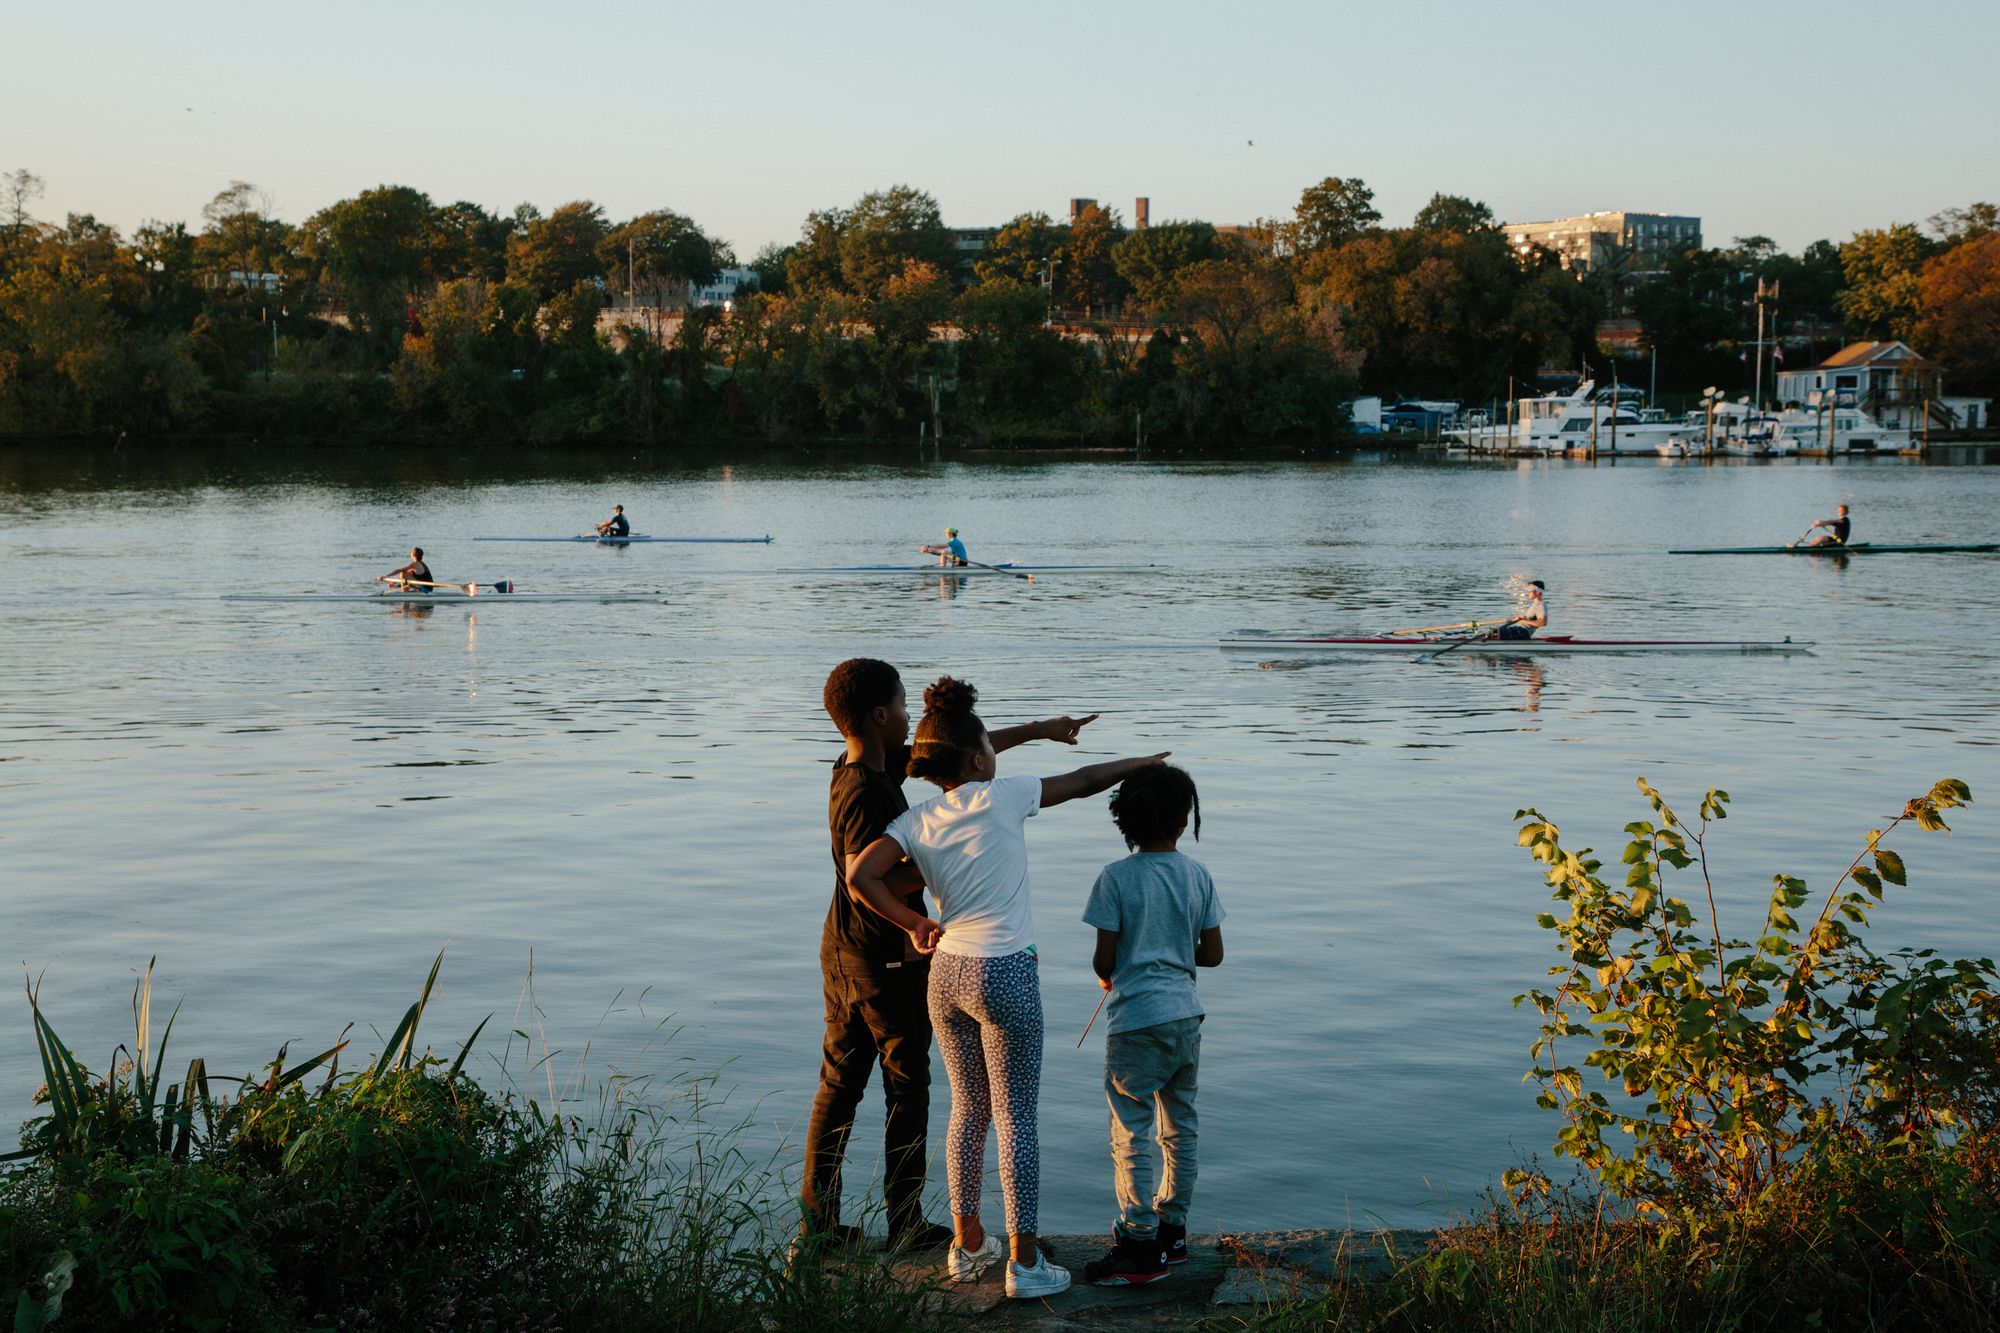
pixel 1149 1079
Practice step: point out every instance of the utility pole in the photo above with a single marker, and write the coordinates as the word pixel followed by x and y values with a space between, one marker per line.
pixel 1615 403
pixel 1762 295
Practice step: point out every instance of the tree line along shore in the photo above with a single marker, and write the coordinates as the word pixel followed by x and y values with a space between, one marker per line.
pixel 387 314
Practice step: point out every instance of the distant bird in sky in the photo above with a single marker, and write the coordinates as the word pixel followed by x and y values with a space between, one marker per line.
pixel 1249 143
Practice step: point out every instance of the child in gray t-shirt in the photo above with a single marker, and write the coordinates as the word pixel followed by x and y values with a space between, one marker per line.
pixel 1157 920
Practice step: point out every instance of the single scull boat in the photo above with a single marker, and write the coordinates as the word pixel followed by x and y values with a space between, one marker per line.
pixel 487 596
pixel 634 539
pixel 1553 643
pixel 957 570
pixel 1835 548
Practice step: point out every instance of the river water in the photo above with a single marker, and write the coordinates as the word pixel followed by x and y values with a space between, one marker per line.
pixel 296 805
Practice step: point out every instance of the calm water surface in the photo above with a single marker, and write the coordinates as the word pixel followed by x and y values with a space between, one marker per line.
pixel 296 805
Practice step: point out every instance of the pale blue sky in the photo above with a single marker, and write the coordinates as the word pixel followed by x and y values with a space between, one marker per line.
pixel 1789 119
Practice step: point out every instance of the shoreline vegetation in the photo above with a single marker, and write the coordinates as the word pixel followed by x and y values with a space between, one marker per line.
pixel 1770 1133
pixel 390 317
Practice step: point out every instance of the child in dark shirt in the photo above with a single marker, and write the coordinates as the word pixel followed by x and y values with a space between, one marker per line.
pixel 876 984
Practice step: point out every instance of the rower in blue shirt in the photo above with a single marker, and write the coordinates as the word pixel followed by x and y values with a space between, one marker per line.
pixel 616 525
pixel 951 553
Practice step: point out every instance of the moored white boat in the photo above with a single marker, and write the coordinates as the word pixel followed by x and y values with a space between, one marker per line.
pixel 1580 423
pixel 1809 432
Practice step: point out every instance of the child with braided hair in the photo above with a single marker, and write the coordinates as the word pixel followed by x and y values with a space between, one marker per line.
pixel 970 845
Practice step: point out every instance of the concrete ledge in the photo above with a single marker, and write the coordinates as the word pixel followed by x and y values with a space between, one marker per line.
pixel 1241 1269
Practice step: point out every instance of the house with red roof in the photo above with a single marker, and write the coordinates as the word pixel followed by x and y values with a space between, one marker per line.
pixel 1891 382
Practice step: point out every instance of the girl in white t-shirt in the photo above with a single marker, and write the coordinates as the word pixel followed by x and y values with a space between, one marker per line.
pixel 970 845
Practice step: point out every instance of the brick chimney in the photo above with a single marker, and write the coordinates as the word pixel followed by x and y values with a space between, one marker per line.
pixel 1142 212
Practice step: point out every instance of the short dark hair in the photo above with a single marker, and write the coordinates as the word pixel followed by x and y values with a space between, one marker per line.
pixel 948 734
pixel 856 688
pixel 1154 804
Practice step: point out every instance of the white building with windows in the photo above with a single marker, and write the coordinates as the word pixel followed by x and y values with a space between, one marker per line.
pixel 724 290
pixel 1592 240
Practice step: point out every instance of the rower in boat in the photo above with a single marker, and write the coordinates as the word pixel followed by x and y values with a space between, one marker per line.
pixel 416 572
pixel 952 552
pixel 1836 527
pixel 616 525
pixel 1531 618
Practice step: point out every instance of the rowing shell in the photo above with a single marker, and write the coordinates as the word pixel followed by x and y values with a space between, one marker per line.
pixel 1554 643
pixel 1835 548
pixel 957 570
pixel 634 539
pixel 443 598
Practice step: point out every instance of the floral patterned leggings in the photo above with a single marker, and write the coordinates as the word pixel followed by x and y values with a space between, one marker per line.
pixel 987 1013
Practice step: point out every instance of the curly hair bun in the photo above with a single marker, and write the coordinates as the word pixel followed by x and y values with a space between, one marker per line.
pixel 949 695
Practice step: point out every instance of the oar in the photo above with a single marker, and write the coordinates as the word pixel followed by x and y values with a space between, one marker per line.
pixel 1017 573
pixel 1800 538
pixel 1093 1016
pixel 1432 657
pixel 1432 629
pixel 469 589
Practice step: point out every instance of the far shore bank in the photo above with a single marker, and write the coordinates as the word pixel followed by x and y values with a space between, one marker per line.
pixel 859 448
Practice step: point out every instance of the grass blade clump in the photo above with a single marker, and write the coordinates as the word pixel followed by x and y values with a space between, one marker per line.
pixel 401 1195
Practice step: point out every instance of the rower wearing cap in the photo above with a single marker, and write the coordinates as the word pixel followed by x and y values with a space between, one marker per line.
pixel 416 572
pixel 616 525
pixel 1525 622
pixel 1836 527
pixel 951 553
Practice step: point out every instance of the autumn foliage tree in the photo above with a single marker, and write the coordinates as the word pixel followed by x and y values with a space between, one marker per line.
pixel 1959 321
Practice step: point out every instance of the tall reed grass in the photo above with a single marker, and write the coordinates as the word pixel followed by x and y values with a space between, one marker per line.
pixel 403 1193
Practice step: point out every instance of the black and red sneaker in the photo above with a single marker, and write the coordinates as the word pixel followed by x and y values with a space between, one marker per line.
pixel 1131 1262
pixel 1173 1239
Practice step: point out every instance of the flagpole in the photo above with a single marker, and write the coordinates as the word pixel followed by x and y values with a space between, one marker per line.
pixel 1757 369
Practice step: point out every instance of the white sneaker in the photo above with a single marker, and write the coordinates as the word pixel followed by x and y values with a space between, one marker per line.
pixel 965 1265
pixel 1044 1279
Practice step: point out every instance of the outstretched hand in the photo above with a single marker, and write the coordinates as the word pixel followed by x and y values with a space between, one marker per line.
pixel 1066 729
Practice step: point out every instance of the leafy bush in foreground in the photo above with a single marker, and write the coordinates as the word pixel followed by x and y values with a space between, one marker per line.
pixel 1798 1133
